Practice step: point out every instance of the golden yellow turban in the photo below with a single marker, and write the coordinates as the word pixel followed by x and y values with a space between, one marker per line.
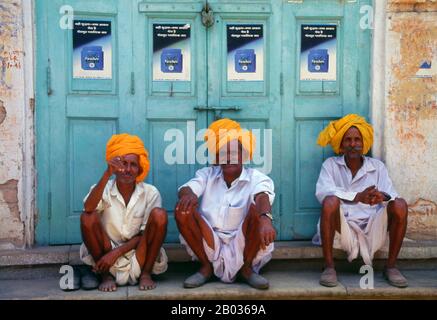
pixel 222 131
pixel 335 131
pixel 122 144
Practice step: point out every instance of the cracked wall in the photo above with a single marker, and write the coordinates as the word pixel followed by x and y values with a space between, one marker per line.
pixel 410 135
pixel 12 85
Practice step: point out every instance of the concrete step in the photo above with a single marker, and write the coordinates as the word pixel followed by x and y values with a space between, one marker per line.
pixel 284 284
pixel 284 250
pixel 45 262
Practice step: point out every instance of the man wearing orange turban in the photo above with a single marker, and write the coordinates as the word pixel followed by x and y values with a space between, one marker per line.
pixel 359 202
pixel 123 225
pixel 231 233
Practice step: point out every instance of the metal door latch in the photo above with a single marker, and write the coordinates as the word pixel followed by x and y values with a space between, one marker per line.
pixel 207 16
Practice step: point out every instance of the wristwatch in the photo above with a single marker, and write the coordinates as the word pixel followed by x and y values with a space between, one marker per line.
pixel 387 197
pixel 268 215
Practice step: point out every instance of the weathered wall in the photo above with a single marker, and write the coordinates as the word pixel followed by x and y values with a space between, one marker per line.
pixel 410 136
pixel 13 126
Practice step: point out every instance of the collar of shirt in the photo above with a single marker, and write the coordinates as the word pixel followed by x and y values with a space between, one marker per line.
pixel 244 176
pixel 365 168
pixel 139 189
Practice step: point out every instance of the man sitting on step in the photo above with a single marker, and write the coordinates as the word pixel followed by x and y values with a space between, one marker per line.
pixel 359 202
pixel 123 225
pixel 231 232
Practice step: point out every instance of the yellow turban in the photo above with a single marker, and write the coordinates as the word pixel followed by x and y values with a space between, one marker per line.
pixel 122 144
pixel 335 131
pixel 222 131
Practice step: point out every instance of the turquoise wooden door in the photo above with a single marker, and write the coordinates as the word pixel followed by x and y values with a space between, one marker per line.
pixel 165 108
pixel 145 92
pixel 251 98
pixel 311 99
pixel 77 113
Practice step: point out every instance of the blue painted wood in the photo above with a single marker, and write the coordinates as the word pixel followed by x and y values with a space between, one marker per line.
pixel 75 121
pixel 159 106
pixel 309 105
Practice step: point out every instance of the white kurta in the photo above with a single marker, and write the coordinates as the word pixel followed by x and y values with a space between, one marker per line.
pixel 224 210
pixel 363 227
pixel 122 223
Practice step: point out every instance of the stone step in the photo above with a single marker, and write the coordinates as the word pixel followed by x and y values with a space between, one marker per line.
pixel 303 284
pixel 45 262
pixel 284 250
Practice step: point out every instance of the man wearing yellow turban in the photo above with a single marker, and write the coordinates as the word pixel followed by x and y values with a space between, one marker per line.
pixel 231 233
pixel 359 202
pixel 123 225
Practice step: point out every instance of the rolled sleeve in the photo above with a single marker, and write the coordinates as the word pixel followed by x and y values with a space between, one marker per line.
pixel 198 183
pixel 154 200
pixel 326 185
pixel 384 182
pixel 266 185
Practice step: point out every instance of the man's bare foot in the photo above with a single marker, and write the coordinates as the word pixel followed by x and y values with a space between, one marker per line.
pixel 146 282
pixel 108 284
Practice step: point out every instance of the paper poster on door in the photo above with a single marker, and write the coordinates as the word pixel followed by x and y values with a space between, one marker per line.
pixel 318 58
pixel 245 61
pixel 92 49
pixel 171 52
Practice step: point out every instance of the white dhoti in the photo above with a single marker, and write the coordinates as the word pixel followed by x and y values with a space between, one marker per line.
pixel 360 237
pixel 127 269
pixel 227 258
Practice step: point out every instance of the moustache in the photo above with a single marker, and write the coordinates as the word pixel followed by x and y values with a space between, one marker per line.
pixel 349 149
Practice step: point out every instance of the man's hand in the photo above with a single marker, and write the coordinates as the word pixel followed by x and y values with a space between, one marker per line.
pixel 115 165
pixel 107 261
pixel 370 196
pixel 188 201
pixel 266 231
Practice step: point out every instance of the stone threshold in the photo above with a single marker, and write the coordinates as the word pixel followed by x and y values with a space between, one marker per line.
pixel 284 250
pixel 283 285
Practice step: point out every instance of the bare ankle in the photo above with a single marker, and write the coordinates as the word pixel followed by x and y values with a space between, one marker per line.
pixel 246 271
pixel 206 269
pixel 330 265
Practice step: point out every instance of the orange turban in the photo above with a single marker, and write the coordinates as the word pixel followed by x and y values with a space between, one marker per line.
pixel 222 131
pixel 335 131
pixel 122 144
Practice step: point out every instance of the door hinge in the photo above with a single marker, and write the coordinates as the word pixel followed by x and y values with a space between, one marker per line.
pixel 358 83
pixel 49 79
pixel 132 83
pixel 49 205
pixel 281 84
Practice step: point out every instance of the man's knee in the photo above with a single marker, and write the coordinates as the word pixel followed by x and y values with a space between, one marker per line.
pixel 88 220
pixel 159 217
pixel 330 205
pixel 398 208
pixel 182 218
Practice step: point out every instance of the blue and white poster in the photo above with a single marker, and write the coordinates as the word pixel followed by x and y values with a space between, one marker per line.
pixel 92 49
pixel 245 47
pixel 171 52
pixel 318 58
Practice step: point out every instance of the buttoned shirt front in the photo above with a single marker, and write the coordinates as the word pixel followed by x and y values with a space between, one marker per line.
pixel 225 208
pixel 123 222
pixel 336 179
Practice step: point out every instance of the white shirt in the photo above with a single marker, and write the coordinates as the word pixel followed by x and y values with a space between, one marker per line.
pixel 336 179
pixel 225 208
pixel 123 223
